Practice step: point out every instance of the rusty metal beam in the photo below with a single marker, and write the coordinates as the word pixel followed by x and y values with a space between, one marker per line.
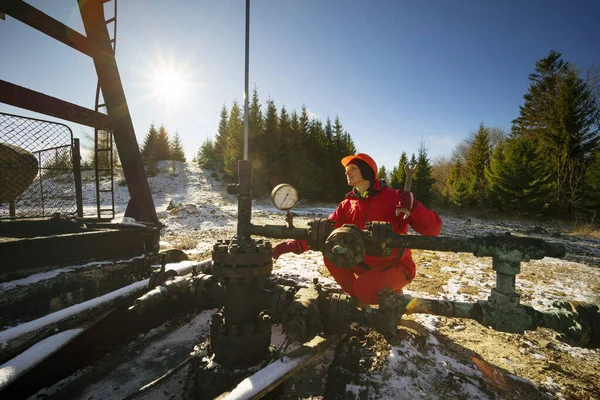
pixel 141 205
pixel 33 17
pixel 31 100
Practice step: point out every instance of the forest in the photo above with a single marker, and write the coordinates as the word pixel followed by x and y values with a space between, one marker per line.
pixel 547 166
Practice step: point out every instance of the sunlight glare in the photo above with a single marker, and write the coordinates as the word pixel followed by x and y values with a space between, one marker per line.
pixel 170 85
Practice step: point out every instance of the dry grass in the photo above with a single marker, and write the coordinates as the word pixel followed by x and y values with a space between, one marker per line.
pixel 182 242
pixel 585 230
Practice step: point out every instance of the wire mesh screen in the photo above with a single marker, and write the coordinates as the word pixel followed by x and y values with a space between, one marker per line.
pixel 36 168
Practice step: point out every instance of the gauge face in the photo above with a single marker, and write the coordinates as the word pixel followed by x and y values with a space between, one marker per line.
pixel 284 196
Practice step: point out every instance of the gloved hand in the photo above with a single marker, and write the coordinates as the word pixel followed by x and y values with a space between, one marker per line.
pixel 406 204
pixel 292 246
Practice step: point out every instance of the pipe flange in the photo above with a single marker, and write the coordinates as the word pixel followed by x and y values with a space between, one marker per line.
pixel 378 239
pixel 318 231
pixel 345 247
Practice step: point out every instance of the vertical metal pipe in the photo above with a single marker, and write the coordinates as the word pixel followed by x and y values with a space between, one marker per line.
pixel 77 176
pixel 246 80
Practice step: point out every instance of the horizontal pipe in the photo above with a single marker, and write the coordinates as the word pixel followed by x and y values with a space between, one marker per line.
pixel 279 231
pixel 268 378
pixel 513 247
pixel 11 370
pixel 452 309
pixel 15 340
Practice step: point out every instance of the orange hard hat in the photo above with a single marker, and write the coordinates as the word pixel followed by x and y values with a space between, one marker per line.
pixel 361 156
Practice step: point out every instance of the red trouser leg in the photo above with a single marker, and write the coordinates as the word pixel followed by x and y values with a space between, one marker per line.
pixel 368 285
pixel 344 277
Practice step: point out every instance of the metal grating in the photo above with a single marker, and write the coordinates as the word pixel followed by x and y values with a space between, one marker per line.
pixel 36 168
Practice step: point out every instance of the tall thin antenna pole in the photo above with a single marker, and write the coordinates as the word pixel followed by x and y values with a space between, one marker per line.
pixel 246 81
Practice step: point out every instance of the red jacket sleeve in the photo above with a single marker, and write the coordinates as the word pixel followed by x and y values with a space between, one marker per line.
pixel 338 215
pixel 425 221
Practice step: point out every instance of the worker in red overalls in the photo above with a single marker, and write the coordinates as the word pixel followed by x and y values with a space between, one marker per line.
pixel 372 200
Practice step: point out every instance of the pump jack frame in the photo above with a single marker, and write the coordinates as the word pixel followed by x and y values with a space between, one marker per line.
pixel 97 45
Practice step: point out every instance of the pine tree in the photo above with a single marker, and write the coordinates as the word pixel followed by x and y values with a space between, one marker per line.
pixel 300 160
pixel 394 181
pixel 255 138
pixel 255 128
pixel 591 199
pixel 423 182
pixel 558 114
pixel 234 147
pixel 207 156
pixel 454 178
pixel 399 176
pixel 176 149
pixel 342 146
pixel 478 159
pixel 271 145
pixel 149 146
pixel 162 151
pixel 382 173
pixel 518 182
pixel 221 137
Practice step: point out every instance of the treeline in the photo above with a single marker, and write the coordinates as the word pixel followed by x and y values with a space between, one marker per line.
pixel 284 147
pixel 549 163
pixel 159 146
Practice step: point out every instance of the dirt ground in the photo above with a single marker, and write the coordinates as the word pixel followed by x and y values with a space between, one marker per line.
pixel 533 365
pixel 529 366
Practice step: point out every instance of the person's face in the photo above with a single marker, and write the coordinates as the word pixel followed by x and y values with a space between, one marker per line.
pixel 353 175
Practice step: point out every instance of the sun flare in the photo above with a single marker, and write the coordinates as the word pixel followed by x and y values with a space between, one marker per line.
pixel 169 84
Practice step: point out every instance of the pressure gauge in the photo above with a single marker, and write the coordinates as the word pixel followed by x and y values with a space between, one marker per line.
pixel 284 196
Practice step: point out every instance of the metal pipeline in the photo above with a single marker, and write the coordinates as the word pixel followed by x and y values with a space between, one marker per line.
pixel 268 378
pixel 279 231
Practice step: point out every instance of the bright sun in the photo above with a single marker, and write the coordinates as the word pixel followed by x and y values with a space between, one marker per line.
pixel 170 85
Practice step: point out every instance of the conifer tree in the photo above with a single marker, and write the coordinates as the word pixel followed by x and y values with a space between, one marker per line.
pixel 382 173
pixel 399 177
pixel 234 148
pixel 149 147
pixel 454 178
pixel 591 200
pixel 162 145
pixel 413 159
pixel 255 138
pixel 518 181
pixel 342 146
pixel 207 156
pixel 255 128
pixel 394 181
pixel 478 159
pixel 176 149
pixel 271 145
pixel 300 167
pixel 558 114
pixel 220 142
pixel 422 185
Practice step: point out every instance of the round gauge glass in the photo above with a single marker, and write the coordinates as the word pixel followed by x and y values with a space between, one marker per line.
pixel 284 196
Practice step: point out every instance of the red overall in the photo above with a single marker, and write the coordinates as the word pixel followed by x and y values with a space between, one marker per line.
pixel 380 272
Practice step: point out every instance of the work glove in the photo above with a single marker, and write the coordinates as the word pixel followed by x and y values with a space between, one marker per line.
pixel 406 205
pixel 292 246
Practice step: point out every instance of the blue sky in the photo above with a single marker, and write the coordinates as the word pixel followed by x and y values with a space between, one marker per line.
pixel 395 72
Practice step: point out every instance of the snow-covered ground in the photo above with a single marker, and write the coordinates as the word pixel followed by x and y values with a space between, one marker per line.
pixel 193 205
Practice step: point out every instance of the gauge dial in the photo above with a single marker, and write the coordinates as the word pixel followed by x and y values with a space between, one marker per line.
pixel 284 196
